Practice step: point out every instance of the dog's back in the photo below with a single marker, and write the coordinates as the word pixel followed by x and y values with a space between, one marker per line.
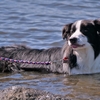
pixel 20 52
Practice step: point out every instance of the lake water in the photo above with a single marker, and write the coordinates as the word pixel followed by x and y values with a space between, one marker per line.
pixel 38 24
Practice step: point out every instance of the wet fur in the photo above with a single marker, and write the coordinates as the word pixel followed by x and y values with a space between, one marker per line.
pixel 20 52
pixel 55 55
pixel 83 36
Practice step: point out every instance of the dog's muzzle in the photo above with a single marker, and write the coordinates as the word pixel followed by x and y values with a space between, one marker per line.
pixel 73 40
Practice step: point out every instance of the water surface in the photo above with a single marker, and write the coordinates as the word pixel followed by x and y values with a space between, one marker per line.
pixel 38 24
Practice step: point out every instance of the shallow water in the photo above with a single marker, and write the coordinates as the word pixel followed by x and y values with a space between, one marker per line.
pixel 80 87
pixel 38 24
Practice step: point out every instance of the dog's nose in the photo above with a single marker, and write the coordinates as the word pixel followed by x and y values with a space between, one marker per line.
pixel 73 40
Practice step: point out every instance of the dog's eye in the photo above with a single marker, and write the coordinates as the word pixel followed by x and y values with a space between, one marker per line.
pixel 68 35
pixel 73 30
pixel 84 30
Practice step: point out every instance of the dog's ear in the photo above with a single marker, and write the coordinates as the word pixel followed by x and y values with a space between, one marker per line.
pixel 66 30
pixel 97 25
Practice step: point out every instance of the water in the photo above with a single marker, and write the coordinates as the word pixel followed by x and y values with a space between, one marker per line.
pixel 38 24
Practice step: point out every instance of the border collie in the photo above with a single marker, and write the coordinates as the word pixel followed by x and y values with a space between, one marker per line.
pixel 79 55
pixel 83 36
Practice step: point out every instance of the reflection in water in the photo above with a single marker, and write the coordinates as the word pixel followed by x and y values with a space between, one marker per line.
pixel 84 86
pixel 79 86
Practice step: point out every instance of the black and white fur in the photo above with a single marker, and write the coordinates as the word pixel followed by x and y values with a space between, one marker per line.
pixel 83 37
pixel 82 49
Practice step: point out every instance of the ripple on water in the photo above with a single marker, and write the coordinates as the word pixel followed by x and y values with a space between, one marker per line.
pixel 38 24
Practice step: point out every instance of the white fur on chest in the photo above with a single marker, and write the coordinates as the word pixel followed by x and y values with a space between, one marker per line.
pixel 86 62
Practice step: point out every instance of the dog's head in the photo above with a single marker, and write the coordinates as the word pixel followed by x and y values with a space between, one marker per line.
pixel 82 33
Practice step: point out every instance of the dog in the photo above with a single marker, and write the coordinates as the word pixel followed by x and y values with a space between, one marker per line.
pixel 83 37
pixel 20 52
pixel 79 55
